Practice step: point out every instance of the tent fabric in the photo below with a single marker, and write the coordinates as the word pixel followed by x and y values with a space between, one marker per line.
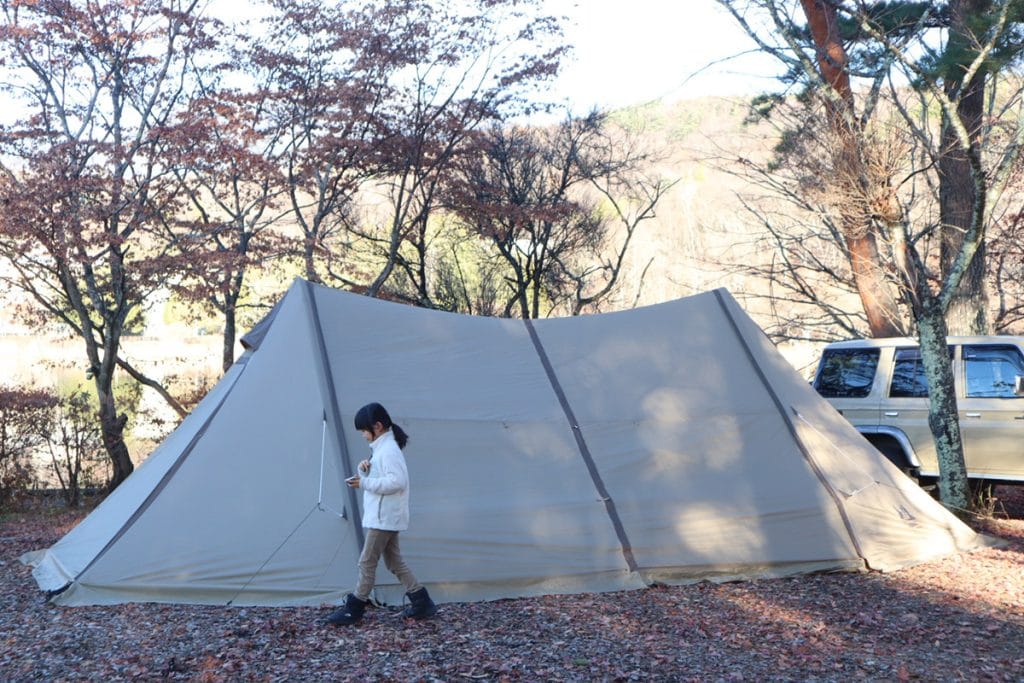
pixel 670 443
pixel 252 339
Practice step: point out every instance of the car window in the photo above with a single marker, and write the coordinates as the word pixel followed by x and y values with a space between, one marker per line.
pixel 908 380
pixel 847 373
pixel 990 370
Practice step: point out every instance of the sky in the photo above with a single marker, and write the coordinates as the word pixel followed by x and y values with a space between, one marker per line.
pixel 629 52
pixel 635 51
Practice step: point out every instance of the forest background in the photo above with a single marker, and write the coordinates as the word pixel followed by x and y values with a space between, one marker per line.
pixel 170 174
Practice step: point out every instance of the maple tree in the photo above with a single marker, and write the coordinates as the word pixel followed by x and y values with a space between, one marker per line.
pixel 374 102
pixel 320 72
pixel 95 86
pixel 223 155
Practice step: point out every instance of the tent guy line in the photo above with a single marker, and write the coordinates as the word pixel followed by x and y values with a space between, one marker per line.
pixel 271 556
pixel 323 457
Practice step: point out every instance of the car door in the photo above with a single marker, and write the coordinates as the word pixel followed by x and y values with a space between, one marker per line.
pixel 905 406
pixel 991 413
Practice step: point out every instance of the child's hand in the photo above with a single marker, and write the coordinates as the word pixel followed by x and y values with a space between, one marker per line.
pixel 364 466
pixel 353 482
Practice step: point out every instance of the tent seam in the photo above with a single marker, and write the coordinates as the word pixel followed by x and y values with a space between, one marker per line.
pixel 595 475
pixel 791 427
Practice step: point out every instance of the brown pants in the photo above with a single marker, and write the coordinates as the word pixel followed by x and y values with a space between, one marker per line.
pixel 380 542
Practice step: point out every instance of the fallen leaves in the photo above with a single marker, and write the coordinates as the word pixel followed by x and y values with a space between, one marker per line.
pixel 956 619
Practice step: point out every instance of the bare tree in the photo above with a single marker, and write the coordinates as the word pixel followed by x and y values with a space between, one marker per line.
pixel 1006 273
pixel 908 209
pixel 534 194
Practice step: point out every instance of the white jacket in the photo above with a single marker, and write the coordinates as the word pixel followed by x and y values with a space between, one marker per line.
pixel 386 486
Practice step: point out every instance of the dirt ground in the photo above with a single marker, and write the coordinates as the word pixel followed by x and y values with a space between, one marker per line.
pixel 959 619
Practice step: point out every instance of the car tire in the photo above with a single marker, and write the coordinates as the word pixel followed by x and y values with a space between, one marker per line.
pixel 893 452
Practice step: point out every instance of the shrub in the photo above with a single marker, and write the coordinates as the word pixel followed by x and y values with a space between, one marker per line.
pixel 24 416
pixel 75 444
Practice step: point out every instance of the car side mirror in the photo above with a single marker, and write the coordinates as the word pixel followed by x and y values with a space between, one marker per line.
pixel 1018 385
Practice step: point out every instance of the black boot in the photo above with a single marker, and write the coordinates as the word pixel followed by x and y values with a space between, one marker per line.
pixel 422 606
pixel 350 614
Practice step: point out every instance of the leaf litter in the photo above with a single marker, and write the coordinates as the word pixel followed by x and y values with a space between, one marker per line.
pixel 961 618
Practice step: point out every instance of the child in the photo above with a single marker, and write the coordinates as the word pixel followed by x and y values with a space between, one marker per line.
pixel 385 483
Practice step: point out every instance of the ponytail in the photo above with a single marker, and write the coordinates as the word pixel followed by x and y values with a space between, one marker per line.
pixel 371 414
pixel 401 438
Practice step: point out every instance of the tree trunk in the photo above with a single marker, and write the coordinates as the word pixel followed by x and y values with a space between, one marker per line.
pixel 878 293
pixel 309 261
pixel 112 426
pixel 967 313
pixel 230 332
pixel 943 417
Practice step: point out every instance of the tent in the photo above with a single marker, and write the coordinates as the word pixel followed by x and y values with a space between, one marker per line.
pixel 670 443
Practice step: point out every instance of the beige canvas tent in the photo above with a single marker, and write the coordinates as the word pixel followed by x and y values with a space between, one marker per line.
pixel 664 444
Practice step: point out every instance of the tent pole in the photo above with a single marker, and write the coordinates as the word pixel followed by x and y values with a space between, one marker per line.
pixel 334 414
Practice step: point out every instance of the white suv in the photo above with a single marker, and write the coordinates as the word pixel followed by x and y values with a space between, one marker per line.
pixel 880 387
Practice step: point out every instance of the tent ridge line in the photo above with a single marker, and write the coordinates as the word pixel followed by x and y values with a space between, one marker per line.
pixel 790 426
pixel 164 480
pixel 588 459
pixel 335 412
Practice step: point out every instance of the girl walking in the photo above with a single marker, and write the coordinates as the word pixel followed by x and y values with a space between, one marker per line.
pixel 384 479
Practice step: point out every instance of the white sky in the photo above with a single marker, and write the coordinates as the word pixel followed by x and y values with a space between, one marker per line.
pixel 633 51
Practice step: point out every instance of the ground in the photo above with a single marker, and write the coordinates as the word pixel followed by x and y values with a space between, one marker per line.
pixel 961 618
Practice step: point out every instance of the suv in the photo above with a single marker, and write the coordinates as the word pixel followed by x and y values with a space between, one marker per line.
pixel 880 387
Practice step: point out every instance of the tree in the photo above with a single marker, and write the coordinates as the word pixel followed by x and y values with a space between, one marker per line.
pixel 85 184
pixel 1006 265
pixel 878 294
pixel 963 83
pixel 73 442
pixel 533 194
pixel 321 72
pixel 223 155
pixel 923 201
pixel 375 102
pixel 480 68
pixel 816 57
